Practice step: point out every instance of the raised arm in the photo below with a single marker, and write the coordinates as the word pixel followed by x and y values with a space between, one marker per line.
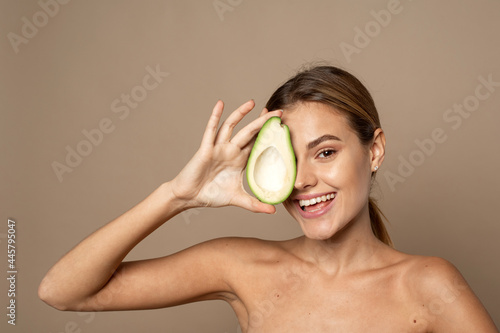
pixel 92 276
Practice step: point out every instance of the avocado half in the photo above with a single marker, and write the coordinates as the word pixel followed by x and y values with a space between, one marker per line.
pixel 271 168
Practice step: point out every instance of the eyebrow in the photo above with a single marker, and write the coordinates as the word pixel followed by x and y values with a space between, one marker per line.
pixel 322 138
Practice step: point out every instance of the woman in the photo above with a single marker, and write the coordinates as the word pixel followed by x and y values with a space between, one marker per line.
pixel 343 275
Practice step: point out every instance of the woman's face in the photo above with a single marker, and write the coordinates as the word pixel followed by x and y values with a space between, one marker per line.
pixel 333 170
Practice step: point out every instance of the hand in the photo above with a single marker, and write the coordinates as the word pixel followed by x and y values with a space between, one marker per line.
pixel 213 177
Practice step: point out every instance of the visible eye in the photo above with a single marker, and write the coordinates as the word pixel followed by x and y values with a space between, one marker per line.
pixel 326 153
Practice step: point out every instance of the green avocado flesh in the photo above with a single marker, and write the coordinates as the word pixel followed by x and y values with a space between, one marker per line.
pixel 271 168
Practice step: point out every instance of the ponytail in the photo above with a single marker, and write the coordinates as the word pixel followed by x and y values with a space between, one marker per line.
pixel 377 223
pixel 346 95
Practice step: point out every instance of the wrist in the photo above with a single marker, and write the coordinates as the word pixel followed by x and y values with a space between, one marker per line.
pixel 175 203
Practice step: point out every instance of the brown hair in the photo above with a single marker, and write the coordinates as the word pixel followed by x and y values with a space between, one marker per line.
pixel 346 94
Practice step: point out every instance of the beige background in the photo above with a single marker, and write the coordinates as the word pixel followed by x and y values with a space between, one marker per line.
pixel 65 78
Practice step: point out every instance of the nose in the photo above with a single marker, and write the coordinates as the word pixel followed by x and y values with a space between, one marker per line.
pixel 305 177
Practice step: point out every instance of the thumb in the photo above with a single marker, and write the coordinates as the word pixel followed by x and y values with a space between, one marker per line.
pixel 253 204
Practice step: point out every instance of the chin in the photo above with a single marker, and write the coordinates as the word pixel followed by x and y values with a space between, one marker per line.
pixel 320 230
pixel 318 237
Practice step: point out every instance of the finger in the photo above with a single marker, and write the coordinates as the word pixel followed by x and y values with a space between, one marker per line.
pixel 212 125
pixel 247 133
pixel 260 207
pixel 246 149
pixel 226 130
pixel 265 110
pixel 252 204
pixel 249 145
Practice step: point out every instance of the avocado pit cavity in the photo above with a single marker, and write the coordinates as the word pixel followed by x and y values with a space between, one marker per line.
pixel 270 170
pixel 271 167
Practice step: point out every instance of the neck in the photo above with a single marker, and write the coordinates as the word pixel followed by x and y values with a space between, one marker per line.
pixel 350 249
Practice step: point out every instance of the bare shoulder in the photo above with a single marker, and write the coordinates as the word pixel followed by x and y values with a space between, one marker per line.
pixel 249 262
pixel 429 273
pixel 257 258
pixel 246 248
pixel 447 301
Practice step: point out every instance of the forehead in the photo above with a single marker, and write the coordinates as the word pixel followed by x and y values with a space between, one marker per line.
pixel 310 120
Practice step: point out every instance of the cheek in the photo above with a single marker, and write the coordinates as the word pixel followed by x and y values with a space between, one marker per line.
pixel 352 173
pixel 361 177
pixel 291 208
pixel 288 204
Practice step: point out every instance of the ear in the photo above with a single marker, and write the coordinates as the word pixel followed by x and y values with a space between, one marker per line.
pixel 377 149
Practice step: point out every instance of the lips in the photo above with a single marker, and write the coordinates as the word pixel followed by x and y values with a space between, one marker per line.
pixel 315 201
pixel 312 206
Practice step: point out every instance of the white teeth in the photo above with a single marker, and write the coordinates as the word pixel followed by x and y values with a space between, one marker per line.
pixel 305 203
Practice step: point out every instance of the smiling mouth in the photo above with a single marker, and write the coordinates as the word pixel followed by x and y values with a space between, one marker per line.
pixel 317 203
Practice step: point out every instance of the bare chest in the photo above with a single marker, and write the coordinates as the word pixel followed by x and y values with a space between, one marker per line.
pixel 312 304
